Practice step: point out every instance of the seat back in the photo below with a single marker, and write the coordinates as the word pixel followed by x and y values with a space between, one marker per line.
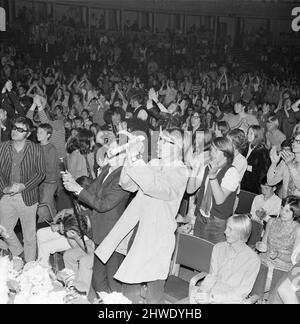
pixel 193 252
pixel 43 205
pixel 255 236
pixel 245 202
pixel 260 281
pixel 183 208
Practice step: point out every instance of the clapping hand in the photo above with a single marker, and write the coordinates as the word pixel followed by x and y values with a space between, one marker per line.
pixel 288 157
pixel 261 214
pixel 153 95
pixel 213 170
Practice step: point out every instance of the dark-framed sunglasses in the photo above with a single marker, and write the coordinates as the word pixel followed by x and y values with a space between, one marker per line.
pixel 19 129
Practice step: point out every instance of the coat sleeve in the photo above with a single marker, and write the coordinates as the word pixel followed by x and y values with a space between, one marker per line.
pixel 126 182
pixel 106 202
pixel 165 186
pixel 263 163
pixel 16 104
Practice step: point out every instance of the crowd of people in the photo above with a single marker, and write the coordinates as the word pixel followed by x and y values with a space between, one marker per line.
pixel 110 136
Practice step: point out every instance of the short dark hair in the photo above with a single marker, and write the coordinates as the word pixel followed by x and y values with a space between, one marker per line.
pixel 86 111
pixel 79 118
pixel 47 127
pixel 224 127
pixel 294 203
pixel 25 121
pixel 84 140
pixel 138 98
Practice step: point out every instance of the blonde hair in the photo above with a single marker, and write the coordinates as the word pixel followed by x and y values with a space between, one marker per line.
pixel 242 223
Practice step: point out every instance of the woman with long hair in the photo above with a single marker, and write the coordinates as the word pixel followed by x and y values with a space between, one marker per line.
pixel 80 158
pixel 258 159
pixel 195 127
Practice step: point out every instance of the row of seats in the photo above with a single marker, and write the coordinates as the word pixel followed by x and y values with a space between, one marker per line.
pixel 195 253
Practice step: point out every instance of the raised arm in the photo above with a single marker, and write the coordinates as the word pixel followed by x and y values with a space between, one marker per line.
pixel 166 186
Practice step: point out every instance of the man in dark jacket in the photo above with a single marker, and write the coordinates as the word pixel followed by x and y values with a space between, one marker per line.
pixel 108 201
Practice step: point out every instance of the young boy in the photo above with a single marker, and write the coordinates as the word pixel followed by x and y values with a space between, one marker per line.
pixel 48 187
pixel 267 204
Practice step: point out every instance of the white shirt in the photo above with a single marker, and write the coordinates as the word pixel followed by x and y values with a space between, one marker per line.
pixel 272 206
pixel 240 163
pixel 230 181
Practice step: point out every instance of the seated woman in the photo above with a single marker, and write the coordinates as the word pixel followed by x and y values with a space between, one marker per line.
pixel 79 253
pixel 282 235
pixel 65 235
pixel 288 288
pixel 233 268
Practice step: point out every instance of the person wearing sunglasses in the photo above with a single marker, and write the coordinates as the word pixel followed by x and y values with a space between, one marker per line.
pixel 22 168
pixel 160 186
pixel 285 167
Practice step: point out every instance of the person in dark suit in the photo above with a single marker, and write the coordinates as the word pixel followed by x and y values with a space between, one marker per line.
pixel 108 202
pixel 258 159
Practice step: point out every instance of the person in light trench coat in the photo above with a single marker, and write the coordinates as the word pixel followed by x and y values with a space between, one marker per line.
pixel 160 184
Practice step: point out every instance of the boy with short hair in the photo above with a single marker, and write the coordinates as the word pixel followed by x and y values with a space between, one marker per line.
pixel 266 204
pixel 48 187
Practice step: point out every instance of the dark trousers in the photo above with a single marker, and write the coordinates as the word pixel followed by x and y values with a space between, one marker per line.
pixel 210 228
pixel 148 293
pixel 103 274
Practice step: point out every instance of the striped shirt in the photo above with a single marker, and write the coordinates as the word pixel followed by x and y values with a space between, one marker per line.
pixel 32 169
